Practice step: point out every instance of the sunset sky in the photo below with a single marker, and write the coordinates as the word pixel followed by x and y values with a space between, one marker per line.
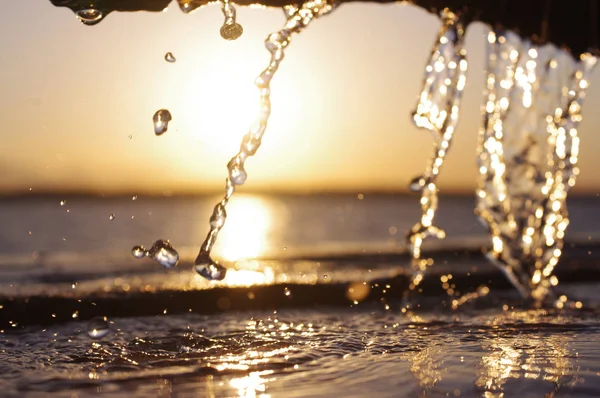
pixel 72 95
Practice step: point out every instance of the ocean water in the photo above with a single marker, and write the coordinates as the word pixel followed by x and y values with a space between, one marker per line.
pixel 310 307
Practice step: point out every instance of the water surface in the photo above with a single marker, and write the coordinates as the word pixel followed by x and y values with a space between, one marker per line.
pixel 316 314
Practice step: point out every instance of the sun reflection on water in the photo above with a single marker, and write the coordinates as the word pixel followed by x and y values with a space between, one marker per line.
pixel 541 360
pixel 249 228
pixel 252 385
pixel 252 228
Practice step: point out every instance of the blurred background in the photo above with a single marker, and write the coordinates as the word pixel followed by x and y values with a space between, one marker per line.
pixel 77 103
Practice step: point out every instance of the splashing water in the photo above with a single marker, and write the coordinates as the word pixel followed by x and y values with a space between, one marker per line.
pixel 297 20
pixel 527 156
pixel 169 57
pixel 89 16
pixel 161 121
pixel 98 327
pixel 437 111
pixel 161 251
pixel 231 30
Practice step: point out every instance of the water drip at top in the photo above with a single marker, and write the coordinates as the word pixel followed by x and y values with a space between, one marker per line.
pixel 188 6
pixel 527 154
pixel 231 30
pixel 89 16
pixel 161 121
pixel 437 111
pixel 297 19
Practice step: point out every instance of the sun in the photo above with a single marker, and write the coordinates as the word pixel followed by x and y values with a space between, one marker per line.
pixel 222 103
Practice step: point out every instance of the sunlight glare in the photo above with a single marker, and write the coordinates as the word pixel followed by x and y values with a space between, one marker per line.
pixel 224 103
pixel 252 385
pixel 248 229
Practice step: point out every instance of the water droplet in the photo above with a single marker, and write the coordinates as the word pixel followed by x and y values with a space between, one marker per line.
pixel 63 202
pixel 111 216
pixel 138 251
pixel 237 173
pixel 217 219
pixel 89 16
pixel 287 292
pixel 130 136
pixel 98 327
pixel 134 197
pixel 209 269
pixel 231 31
pixel 163 253
pixel 161 121
pixel 417 184
pixel 169 57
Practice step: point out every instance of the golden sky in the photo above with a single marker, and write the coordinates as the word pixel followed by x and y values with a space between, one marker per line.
pixel 71 96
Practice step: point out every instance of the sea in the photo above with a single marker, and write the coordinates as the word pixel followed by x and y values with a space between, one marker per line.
pixel 310 306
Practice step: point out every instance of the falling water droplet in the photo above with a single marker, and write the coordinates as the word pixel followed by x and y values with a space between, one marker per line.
pixel 111 216
pixel 169 57
pixel 138 251
pixel 89 16
pixel 163 253
pixel 231 31
pixel 134 197
pixel 161 121
pixel 287 292
pixel 209 269
pixel 63 202
pixel 98 327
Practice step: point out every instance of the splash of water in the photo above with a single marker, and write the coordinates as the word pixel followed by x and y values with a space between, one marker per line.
pixel 437 111
pixel 564 139
pixel 527 155
pixel 161 251
pixel 231 30
pixel 298 18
